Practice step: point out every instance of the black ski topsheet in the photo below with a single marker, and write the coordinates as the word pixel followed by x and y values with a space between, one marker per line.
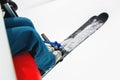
pixel 81 34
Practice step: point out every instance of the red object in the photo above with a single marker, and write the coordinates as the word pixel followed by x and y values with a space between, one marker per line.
pixel 26 68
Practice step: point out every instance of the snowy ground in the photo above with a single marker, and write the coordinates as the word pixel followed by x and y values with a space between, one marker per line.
pixel 97 58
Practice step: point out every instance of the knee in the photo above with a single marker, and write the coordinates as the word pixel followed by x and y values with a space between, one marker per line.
pixel 24 21
pixel 17 22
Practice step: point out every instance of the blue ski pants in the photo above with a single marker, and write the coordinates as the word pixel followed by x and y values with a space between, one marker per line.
pixel 24 38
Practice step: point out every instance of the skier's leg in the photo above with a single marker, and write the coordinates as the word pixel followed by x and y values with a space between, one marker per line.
pixel 24 39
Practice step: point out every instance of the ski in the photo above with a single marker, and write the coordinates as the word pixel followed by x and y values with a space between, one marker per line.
pixel 81 34
pixel 76 38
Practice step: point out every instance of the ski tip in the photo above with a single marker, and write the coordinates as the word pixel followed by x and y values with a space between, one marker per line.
pixel 103 17
pixel 93 17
